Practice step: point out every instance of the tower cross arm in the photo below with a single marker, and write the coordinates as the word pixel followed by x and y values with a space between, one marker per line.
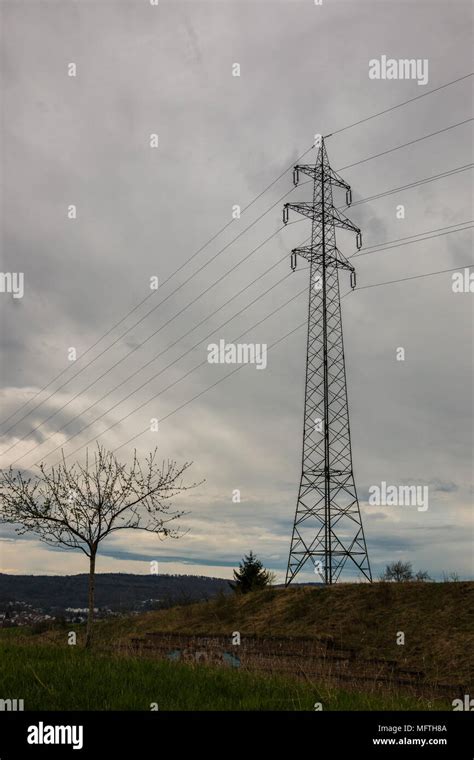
pixel 336 180
pixel 341 220
pixel 335 258
pixel 342 262
pixel 306 209
pixel 308 169
pixel 315 172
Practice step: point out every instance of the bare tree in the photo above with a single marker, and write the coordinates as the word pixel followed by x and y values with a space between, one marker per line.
pixel 451 577
pixel 398 571
pixel 77 506
pixel 422 575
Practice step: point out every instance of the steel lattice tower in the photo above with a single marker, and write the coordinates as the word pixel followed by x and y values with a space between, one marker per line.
pixel 327 528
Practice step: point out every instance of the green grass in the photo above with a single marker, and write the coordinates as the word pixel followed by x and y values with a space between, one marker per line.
pixel 437 619
pixel 71 678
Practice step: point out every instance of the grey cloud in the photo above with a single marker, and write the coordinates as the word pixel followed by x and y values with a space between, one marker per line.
pixel 222 140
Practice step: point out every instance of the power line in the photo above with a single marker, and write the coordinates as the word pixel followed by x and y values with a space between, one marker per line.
pixel 416 234
pixel 363 200
pixel 411 142
pixel 387 110
pixel 409 242
pixel 153 377
pixel 56 390
pixel 416 276
pixel 302 324
pixel 135 348
pixel 175 382
pixel 272 345
pixel 208 242
pixel 213 237
pixel 171 345
pixel 185 335
pixel 78 359
pixel 418 182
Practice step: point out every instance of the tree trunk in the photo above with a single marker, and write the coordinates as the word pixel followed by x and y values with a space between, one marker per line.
pixel 90 616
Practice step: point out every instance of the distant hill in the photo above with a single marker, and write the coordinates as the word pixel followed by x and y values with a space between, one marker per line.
pixel 118 591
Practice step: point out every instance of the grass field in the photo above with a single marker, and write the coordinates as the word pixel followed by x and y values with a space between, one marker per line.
pixel 436 618
pixel 52 678
pixel 40 667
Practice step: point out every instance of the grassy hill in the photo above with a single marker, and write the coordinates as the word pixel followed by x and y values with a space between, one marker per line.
pixel 436 618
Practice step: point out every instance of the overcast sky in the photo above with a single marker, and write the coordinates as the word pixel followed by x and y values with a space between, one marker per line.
pixel 85 140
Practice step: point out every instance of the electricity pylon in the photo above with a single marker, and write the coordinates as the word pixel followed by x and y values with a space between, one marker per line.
pixel 327 529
